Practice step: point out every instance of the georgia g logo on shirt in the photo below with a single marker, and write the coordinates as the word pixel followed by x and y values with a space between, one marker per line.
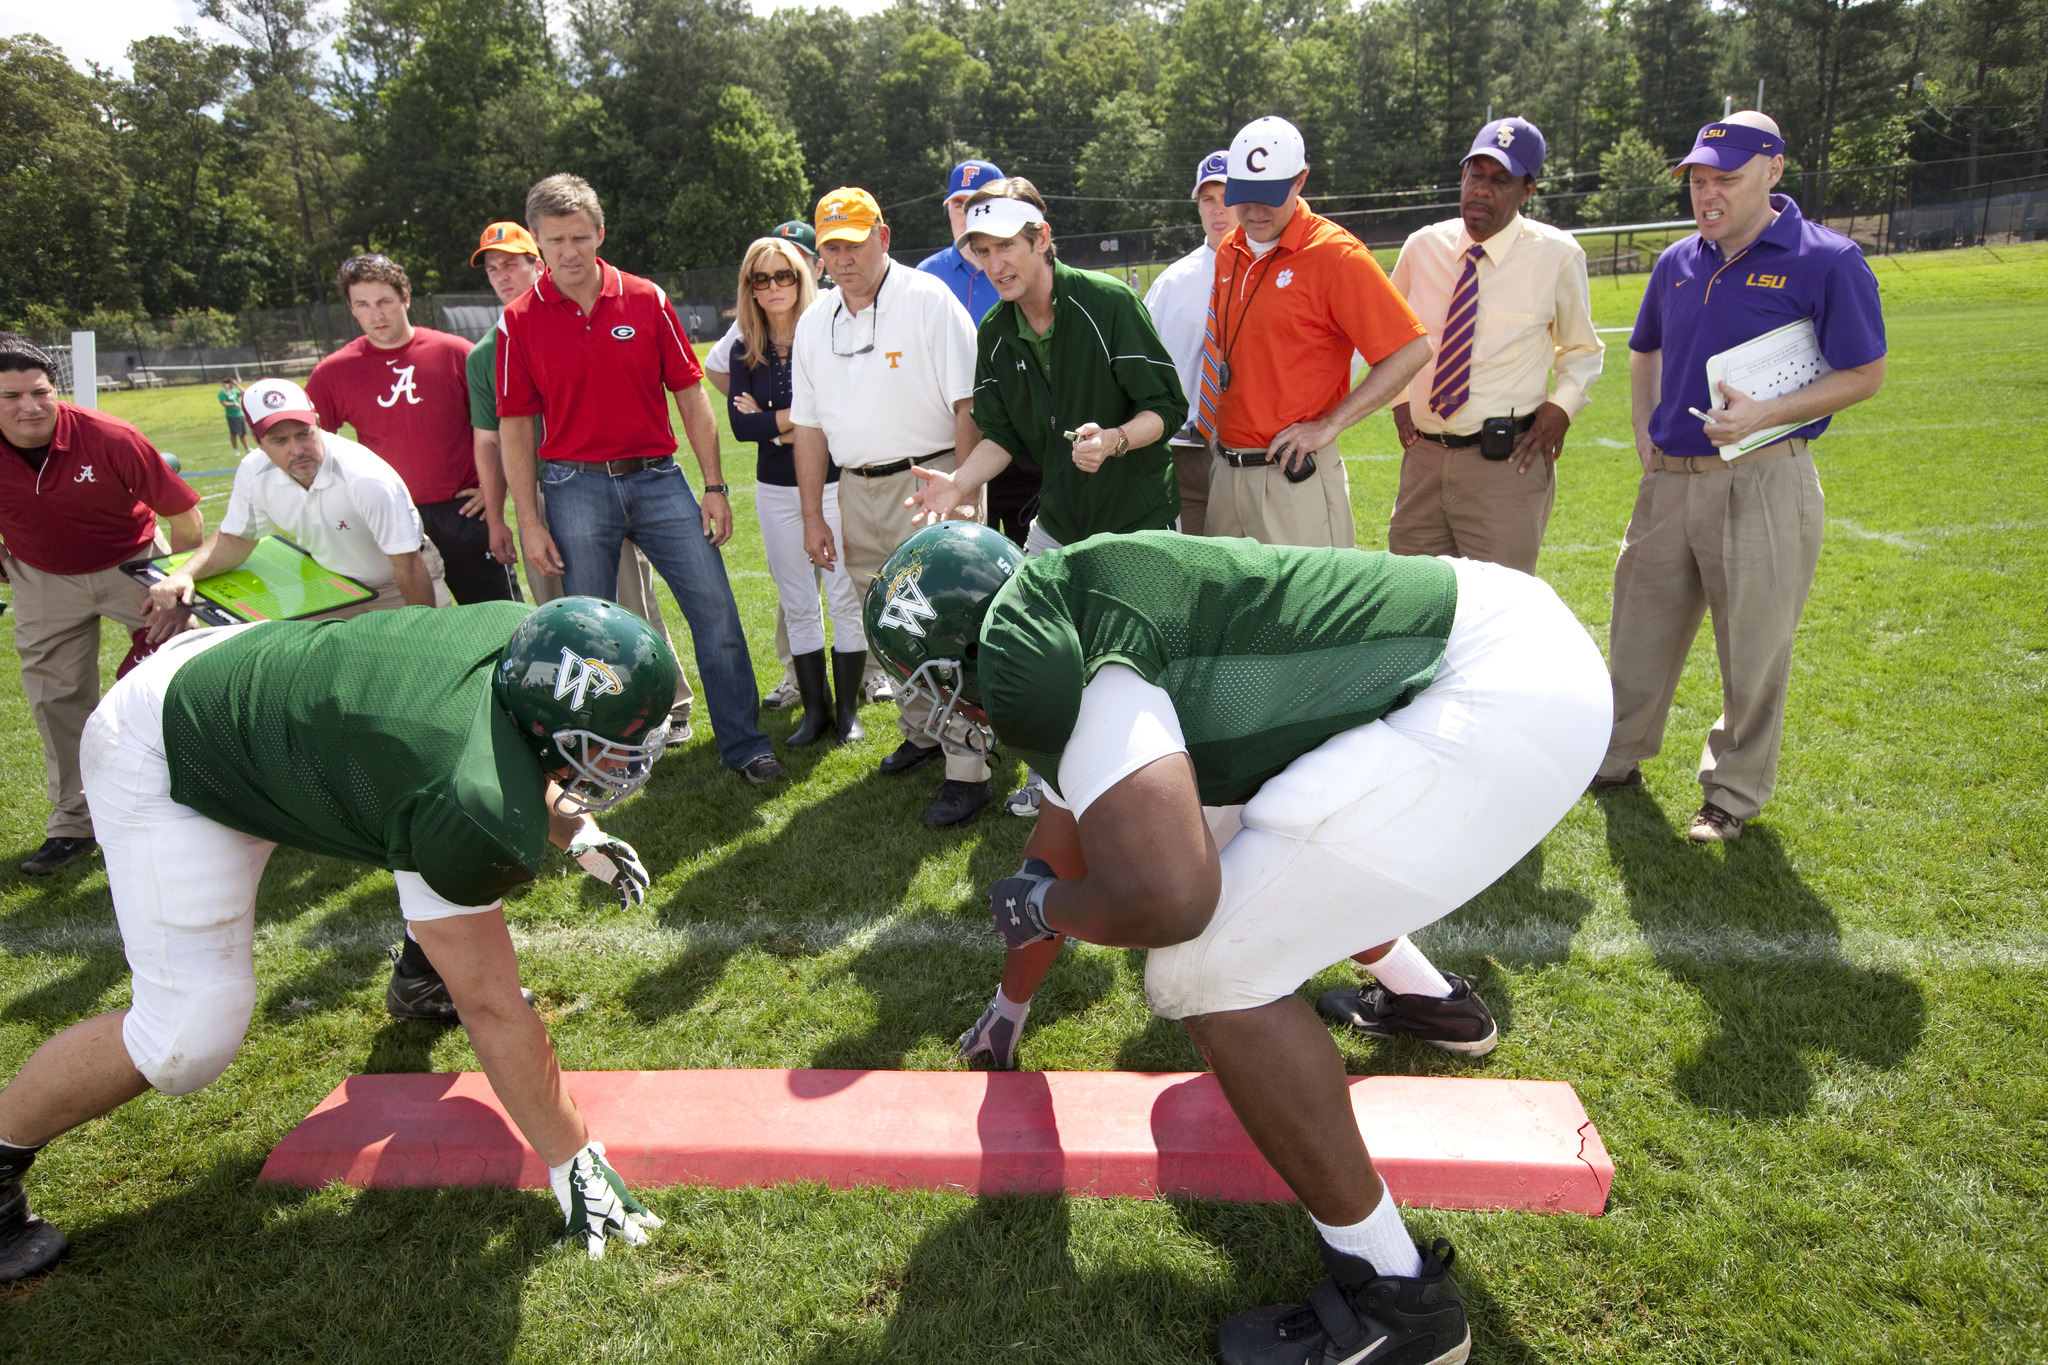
pixel 622 332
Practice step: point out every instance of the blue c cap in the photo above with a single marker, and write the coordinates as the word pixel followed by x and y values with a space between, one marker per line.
pixel 970 176
pixel 1514 142
pixel 1213 167
pixel 1729 146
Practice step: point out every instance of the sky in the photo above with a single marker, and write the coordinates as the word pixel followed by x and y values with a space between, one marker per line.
pixel 100 30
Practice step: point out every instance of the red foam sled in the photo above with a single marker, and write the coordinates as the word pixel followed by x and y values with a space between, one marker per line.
pixel 1440 1142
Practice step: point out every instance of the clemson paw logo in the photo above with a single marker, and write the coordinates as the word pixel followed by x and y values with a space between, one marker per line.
pixel 1286 277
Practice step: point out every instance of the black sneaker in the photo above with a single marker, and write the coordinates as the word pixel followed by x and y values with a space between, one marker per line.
pixel 423 997
pixel 1358 1317
pixel 55 854
pixel 28 1244
pixel 1460 1022
pixel 908 758
pixel 956 804
pixel 767 768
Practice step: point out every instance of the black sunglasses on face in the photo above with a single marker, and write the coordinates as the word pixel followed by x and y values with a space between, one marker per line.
pixel 761 279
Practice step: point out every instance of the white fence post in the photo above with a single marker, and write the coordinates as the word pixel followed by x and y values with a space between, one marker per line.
pixel 85 369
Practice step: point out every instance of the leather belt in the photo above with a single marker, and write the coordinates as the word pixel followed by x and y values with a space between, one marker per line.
pixel 883 471
pixel 617 469
pixel 1243 459
pixel 1446 439
pixel 1707 464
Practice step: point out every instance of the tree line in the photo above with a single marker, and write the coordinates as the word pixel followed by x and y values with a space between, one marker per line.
pixel 221 176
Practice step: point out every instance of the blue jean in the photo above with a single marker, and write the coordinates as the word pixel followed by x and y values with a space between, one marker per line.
pixel 590 514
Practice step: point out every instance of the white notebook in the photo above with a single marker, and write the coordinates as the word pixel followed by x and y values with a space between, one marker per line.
pixel 1770 366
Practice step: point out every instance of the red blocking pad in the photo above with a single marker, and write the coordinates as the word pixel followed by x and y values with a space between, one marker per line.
pixel 1440 1142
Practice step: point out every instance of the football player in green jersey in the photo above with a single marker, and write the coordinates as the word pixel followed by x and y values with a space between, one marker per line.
pixel 1259 760
pixel 449 746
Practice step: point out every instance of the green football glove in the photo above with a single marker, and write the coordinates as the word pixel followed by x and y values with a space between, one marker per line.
pixel 596 1203
pixel 611 861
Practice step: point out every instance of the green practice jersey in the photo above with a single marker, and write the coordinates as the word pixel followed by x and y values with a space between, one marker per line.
pixel 376 739
pixel 1266 651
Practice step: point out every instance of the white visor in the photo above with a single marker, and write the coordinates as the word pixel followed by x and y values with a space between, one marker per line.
pixel 1002 218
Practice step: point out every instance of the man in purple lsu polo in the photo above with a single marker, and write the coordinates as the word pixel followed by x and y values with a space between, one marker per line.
pixel 1738 536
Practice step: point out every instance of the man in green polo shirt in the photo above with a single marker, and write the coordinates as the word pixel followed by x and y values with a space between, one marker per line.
pixel 449 746
pixel 1259 760
pixel 1070 373
pixel 230 399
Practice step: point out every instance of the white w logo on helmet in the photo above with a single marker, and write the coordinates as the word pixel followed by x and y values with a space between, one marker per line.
pixel 907 608
pixel 579 677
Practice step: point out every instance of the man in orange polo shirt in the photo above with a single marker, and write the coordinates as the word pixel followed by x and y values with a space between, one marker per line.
pixel 1294 296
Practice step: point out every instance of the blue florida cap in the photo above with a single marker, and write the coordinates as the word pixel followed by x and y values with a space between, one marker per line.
pixel 1213 168
pixel 1729 146
pixel 970 176
pixel 1514 142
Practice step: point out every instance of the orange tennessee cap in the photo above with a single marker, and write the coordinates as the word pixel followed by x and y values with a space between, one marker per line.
pixel 847 215
pixel 510 237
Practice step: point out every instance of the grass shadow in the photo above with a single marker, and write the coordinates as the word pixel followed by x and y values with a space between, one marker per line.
pixel 1738 925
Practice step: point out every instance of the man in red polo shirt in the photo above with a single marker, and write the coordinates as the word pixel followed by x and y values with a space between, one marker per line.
pixel 1295 296
pixel 80 493
pixel 405 390
pixel 595 352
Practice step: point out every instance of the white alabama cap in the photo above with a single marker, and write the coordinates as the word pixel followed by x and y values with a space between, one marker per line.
pixel 1265 156
pixel 999 218
pixel 269 401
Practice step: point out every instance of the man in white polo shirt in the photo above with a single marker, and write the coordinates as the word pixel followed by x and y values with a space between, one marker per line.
pixel 332 497
pixel 1179 304
pixel 882 372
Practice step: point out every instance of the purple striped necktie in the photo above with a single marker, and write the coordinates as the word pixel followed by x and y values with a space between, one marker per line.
pixel 1454 356
pixel 1211 389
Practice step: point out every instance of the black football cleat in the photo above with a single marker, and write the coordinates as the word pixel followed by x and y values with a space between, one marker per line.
pixel 1460 1022
pixel 56 853
pixel 28 1245
pixel 1358 1317
pixel 423 996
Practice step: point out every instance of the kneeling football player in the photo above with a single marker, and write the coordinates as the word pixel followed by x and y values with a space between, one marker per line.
pixel 1259 760
pixel 448 746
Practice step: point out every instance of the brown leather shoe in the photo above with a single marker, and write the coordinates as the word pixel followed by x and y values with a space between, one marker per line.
pixel 1712 825
pixel 1632 778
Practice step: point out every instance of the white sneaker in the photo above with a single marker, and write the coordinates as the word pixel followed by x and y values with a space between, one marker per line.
pixel 1023 802
pixel 878 689
pixel 783 697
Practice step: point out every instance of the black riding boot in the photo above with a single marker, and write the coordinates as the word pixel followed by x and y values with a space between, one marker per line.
pixel 817 699
pixel 847 667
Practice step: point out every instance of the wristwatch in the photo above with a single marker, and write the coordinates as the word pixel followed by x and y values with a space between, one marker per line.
pixel 1123 442
pixel 714 488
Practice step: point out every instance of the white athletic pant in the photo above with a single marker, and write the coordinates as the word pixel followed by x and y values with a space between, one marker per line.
pixel 781 514
pixel 1391 826
pixel 184 887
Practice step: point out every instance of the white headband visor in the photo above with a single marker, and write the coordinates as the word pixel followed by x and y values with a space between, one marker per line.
pixel 1001 218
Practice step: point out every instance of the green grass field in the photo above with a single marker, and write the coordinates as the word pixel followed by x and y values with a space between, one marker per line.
pixel 1816 1054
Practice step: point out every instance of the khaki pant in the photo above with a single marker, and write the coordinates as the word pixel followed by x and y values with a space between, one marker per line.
pixel 873 522
pixel 1191 473
pixel 1458 502
pixel 635 592
pixel 1262 504
pixel 57 634
pixel 1741 541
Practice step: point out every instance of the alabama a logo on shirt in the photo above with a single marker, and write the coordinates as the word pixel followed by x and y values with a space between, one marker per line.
pixel 579 678
pixel 401 387
pixel 907 608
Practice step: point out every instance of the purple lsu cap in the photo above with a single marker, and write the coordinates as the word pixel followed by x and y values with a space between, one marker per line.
pixel 1729 146
pixel 1215 167
pixel 970 176
pixel 1514 142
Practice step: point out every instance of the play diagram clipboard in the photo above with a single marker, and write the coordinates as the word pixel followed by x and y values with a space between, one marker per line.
pixel 1770 366
pixel 279 581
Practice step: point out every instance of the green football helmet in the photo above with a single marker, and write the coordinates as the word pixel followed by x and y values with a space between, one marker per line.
pixel 924 612
pixel 588 684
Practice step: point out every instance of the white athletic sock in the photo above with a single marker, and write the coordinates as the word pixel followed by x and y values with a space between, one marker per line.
pixel 1381 1238
pixel 1010 1009
pixel 1405 971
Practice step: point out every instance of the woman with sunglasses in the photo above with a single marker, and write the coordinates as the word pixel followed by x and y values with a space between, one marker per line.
pixel 776 286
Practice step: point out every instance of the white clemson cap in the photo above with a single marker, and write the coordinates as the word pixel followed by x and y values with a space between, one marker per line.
pixel 1265 156
pixel 1000 218
pixel 270 401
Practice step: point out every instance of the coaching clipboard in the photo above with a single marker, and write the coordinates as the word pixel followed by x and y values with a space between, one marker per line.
pixel 279 581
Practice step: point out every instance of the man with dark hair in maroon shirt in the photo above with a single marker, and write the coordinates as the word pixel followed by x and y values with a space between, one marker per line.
pixel 80 493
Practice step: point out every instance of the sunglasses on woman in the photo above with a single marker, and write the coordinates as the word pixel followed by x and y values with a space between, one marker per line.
pixel 782 279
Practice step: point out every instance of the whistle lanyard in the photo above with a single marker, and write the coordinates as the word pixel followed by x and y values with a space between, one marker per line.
pixel 1223 326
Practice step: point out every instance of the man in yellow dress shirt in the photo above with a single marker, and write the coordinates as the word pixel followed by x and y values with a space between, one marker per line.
pixel 1506 303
